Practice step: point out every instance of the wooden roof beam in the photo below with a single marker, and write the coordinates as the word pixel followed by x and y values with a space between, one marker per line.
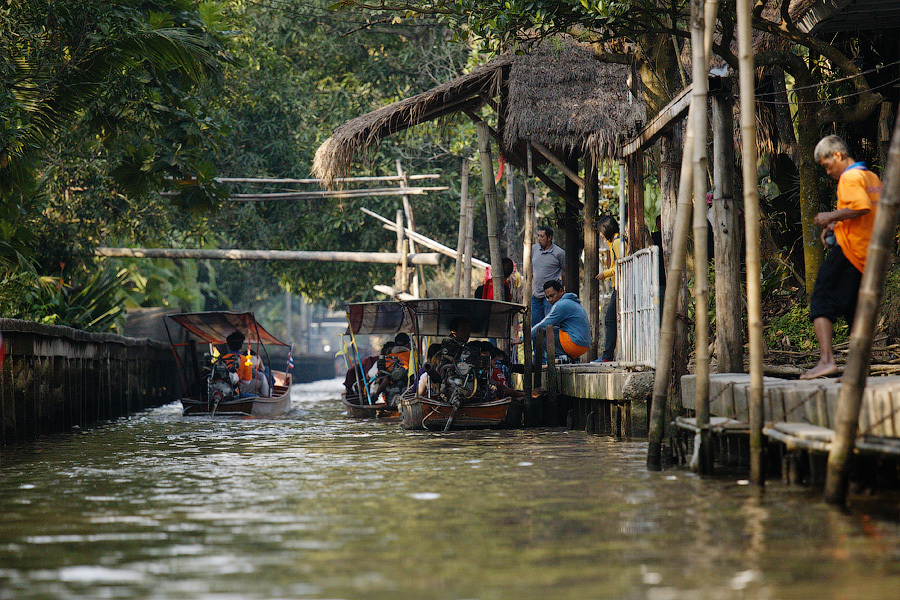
pixel 557 189
pixel 549 155
pixel 673 112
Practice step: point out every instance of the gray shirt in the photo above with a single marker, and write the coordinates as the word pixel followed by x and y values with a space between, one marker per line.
pixel 546 265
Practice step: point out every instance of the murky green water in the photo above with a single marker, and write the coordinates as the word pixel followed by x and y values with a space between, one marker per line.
pixel 319 506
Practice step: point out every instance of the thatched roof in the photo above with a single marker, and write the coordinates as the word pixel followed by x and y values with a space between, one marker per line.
pixel 560 96
pixel 568 100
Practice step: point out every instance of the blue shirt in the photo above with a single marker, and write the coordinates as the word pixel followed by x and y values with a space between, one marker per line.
pixel 568 314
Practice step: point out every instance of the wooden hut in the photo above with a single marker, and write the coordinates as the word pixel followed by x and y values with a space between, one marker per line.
pixel 557 99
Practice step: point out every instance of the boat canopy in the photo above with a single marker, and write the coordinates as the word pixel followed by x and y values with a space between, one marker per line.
pixel 215 326
pixel 368 318
pixel 432 316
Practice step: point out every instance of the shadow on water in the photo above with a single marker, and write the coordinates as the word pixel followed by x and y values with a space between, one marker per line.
pixel 316 505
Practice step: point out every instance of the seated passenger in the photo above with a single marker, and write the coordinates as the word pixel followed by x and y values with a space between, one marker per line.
pixel 429 382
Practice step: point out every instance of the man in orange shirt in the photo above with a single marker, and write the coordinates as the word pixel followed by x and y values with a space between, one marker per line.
pixel 846 231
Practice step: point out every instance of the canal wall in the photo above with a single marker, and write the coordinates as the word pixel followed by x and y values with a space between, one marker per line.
pixel 56 378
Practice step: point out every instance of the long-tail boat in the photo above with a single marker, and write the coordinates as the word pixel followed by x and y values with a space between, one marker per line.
pixel 209 385
pixel 465 396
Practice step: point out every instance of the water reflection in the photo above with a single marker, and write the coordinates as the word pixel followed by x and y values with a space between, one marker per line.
pixel 315 505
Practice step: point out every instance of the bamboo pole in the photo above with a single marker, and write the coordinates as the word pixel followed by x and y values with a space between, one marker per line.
pixel 591 297
pixel 701 259
pixel 751 228
pixel 470 248
pixel 871 288
pixel 400 281
pixel 340 194
pixel 419 273
pixel 511 222
pixel 461 239
pixel 526 318
pixel 386 258
pixel 426 241
pixel 319 181
pixel 490 206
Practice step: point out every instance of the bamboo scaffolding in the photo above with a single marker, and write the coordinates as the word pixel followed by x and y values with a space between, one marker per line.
pixel 871 289
pixel 388 258
pixel 419 272
pixel 425 241
pixel 320 181
pixel 317 194
pixel 751 227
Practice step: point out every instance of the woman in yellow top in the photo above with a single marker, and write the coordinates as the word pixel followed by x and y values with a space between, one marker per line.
pixel 609 229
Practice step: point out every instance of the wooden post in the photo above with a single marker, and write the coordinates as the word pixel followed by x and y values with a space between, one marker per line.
pixel 857 368
pixel 552 378
pixel 511 223
pixel 635 166
pixel 528 379
pixel 701 260
pixel 463 221
pixel 591 298
pixel 727 236
pixel 490 206
pixel 751 227
pixel 623 196
pixel 572 243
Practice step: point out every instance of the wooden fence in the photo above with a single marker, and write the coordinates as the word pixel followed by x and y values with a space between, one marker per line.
pixel 57 378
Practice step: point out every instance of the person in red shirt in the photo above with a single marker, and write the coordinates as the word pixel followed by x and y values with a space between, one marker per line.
pixel 846 232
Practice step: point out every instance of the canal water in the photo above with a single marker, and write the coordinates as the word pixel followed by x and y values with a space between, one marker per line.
pixel 316 505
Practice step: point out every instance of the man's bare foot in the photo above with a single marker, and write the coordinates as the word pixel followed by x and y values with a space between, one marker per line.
pixel 820 370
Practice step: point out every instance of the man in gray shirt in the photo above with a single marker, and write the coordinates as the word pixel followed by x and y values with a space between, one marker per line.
pixel 548 261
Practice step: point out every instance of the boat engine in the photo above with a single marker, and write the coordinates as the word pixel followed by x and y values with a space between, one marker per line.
pixel 464 373
pixel 220 388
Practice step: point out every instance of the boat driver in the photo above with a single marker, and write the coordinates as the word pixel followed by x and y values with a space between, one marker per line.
pixel 246 370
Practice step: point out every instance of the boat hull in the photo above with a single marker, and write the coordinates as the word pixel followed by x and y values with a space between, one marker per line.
pixel 358 410
pixel 432 414
pixel 255 406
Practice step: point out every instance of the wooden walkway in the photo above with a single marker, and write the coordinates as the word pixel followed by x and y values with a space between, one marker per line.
pixel 800 414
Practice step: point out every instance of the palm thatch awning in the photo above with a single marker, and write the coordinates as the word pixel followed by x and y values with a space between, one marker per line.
pixel 559 95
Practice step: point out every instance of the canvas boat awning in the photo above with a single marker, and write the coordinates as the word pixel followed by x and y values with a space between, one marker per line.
pixel 215 326
pixel 432 316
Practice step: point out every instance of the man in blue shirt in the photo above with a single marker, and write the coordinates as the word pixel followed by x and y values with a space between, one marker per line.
pixel 572 331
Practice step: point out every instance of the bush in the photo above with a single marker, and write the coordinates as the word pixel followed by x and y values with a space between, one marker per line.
pixel 794 331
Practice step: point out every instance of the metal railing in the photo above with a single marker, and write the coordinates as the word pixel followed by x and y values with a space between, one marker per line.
pixel 638 307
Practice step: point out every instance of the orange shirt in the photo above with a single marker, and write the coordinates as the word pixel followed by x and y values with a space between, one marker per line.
pixel 858 189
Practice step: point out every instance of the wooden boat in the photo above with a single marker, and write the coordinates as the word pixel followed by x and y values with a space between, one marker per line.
pixel 206 391
pixel 431 318
pixel 358 408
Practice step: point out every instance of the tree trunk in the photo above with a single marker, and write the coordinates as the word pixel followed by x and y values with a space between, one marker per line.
pixel 727 236
pixel 701 262
pixel 807 138
pixel 490 207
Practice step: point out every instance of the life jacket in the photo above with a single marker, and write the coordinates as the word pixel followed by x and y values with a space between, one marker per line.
pixel 394 358
pixel 239 363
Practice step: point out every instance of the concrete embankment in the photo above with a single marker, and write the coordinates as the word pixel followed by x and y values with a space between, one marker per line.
pixel 57 378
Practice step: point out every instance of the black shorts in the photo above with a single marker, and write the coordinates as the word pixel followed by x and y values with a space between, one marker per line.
pixel 837 288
